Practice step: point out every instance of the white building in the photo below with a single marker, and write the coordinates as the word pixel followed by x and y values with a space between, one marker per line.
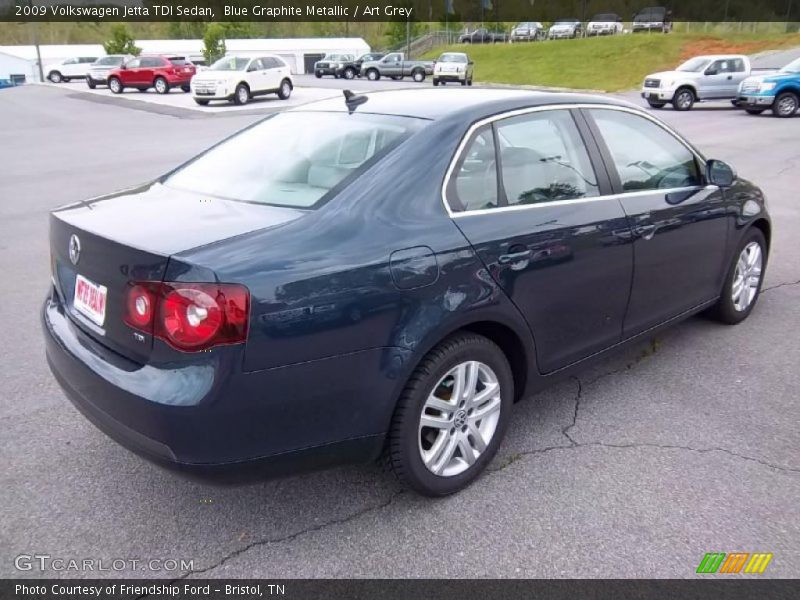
pixel 299 53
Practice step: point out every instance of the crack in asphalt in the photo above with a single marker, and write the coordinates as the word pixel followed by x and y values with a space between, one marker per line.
pixel 780 285
pixel 286 538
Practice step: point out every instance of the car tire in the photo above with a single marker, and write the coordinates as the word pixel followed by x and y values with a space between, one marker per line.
pixel 418 76
pixel 683 99
pixel 785 105
pixel 656 104
pixel 115 85
pixel 463 82
pixel 396 78
pixel 90 84
pixel 754 111
pixel 186 89
pixel 460 445
pixel 201 102
pixel 746 272
pixel 435 82
pixel 142 90
pixel 373 75
pixel 349 73
pixel 317 74
pixel 67 79
pixel 161 85
pixel 242 95
pixel 285 89
pixel 469 81
pixel 55 77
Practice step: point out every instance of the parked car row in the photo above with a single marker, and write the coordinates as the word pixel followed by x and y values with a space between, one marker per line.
pixel 726 77
pixel 655 18
pixel 373 66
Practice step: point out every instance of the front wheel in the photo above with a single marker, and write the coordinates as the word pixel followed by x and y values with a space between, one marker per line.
pixel 349 73
pixel 241 95
pixel 435 82
pixel 452 415
pixel 785 105
pixel 656 104
pixel 201 102
pixel 317 74
pixel 743 282
pixel 55 77
pixel 91 84
pixel 683 99
pixel 115 85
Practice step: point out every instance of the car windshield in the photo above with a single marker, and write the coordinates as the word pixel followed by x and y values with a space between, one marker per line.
pixel 319 152
pixel 792 67
pixel 230 63
pixel 109 60
pixel 453 58
pixel 337 57
pixel 605 17
pixel 694 65
pixel 650 15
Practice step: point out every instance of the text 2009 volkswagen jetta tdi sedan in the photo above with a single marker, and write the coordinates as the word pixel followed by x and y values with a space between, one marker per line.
pixel 388 274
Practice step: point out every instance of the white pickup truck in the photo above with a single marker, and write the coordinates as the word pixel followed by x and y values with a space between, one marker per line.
pixel 712 77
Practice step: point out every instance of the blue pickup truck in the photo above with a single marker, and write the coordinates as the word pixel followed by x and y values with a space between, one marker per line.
pixel 778 91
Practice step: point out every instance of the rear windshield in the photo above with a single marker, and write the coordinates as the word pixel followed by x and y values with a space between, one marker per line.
pixel 294 159
pixel 453 58
pixel 179 62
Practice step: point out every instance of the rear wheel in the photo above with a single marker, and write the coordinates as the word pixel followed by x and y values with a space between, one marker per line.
pixel 55 76
pixel 683 99
pixel 435 82
pixel 241 95
pixel 452 415
pixel 373 75
pixel 161 85
pixel 469 81
pixel 115 85
pixel 463 82
pixel 285 90
pixel 186 88
pixel 743 283
pixel 754 111
pixel 418 75
pixel 785 105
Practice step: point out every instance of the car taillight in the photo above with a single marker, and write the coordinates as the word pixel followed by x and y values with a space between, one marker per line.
pixel 189 316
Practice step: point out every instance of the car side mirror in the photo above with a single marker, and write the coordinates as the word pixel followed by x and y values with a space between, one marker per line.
pixel 720 173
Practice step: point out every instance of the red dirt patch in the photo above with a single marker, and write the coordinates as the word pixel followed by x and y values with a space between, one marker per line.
pixel 719 46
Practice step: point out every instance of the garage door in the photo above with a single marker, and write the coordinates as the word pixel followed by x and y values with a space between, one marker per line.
pixel 309 60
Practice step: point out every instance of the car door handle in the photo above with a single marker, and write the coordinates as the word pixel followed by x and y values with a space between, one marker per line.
pixel 646 232
pixel 513 257
pixel 730 76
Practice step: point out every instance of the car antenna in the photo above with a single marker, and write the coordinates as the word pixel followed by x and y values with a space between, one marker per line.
pixel 353 100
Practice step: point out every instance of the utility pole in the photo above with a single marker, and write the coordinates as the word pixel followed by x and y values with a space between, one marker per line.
pixel 35 35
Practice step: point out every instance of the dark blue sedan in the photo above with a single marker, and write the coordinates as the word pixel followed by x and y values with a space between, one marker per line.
pixel 386 275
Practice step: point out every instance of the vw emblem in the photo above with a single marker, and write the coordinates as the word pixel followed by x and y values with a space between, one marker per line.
pixel 74 249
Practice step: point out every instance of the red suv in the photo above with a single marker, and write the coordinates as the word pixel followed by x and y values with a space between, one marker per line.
pixel 159 72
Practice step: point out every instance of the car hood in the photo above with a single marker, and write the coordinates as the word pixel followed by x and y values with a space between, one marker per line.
pixel 672 75
pixel 164 220
pixel 776 77
pixel 562 27
pixel 216 75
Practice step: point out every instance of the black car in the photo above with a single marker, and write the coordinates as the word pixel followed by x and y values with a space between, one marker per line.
pixel 653 18
pixel 332 64
pixel 352 68
pixel 389 279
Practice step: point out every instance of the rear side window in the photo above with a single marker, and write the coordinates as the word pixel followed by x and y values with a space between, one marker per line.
pixel 473 185
pixel 543 159
pixel 133 64
pixel 152 61
pixel 647 156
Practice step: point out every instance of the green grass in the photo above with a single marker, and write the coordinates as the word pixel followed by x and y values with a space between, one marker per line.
pixel 609 63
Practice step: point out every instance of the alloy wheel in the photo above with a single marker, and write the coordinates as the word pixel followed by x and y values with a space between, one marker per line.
pixel 747 276
pixel 286 89
pixel 161 86
pixel 786 105
pixel 459 418
pixel 684 100
pixel 242 95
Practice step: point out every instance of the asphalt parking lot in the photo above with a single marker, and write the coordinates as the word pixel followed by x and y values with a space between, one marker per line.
pixel 684 445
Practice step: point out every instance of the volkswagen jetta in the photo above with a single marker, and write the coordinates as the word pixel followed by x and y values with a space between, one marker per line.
pixel 389 279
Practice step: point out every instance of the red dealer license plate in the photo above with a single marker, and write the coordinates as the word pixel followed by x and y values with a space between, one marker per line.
pixel 90 299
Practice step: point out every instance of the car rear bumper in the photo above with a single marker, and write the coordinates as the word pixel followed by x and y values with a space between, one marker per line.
pixel 206 420
pixel 450 76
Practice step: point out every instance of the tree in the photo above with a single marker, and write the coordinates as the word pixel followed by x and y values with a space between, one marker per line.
pixel 121 42
pixel 214 42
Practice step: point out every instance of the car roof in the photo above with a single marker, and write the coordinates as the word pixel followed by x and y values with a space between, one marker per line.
pixel 718 56
pixel 473 103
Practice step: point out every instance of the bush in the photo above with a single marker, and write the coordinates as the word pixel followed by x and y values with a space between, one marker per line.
pixel 214 42
pixel 121 42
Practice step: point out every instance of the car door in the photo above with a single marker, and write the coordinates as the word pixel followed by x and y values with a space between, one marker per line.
pixel 391 64
pixel 70 67
pixel 679 224
pixel 272 73
pixel 525 193
pixel 129 73
pixel 716 80
pixel 256 75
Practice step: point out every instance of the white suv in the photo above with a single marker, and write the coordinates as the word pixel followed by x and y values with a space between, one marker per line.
pixel 239 78
pixel 70 68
